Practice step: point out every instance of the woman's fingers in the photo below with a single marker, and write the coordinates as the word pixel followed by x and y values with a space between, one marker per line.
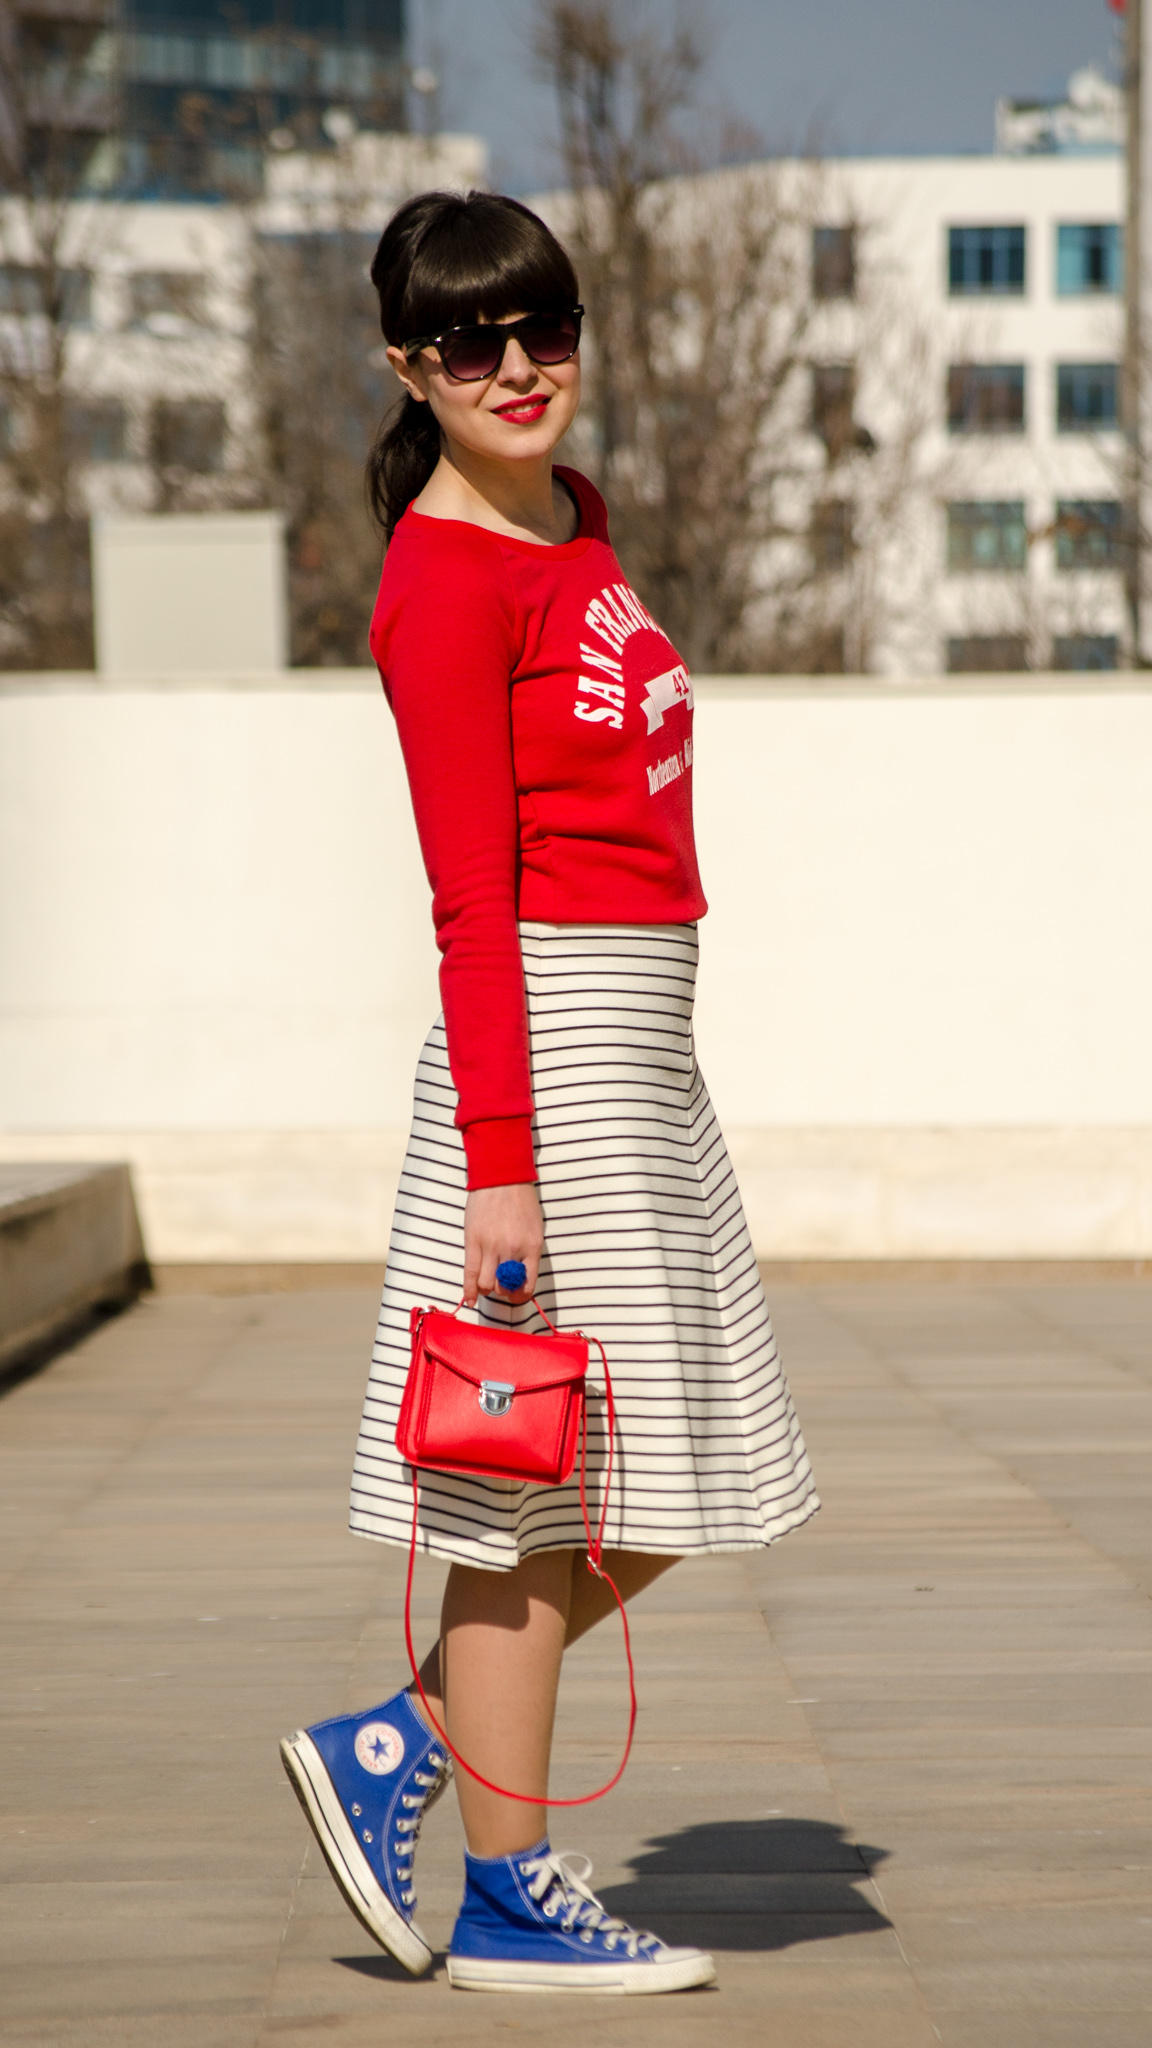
pixel 532 1264
pixel 472 1257
pixel 501 1223
pixel 489 1260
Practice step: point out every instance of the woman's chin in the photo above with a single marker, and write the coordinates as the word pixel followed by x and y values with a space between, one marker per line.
pixel 521 444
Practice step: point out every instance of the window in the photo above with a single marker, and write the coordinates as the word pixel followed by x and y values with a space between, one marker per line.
pixel 63 295
pixel 96 429
pixel 1089 259
pixel 187 434
pixel 987 654
pixel 830 534
pixel 1088 533
pixel 1087 397
pixel 986 398
pixel 833 263
pixel 166 301
pixel 985 260
pixel 833 397
pixel 987 534
pixel 1086 651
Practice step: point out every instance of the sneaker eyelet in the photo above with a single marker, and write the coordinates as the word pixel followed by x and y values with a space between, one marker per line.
pixel 357 1810
pixel 367 1834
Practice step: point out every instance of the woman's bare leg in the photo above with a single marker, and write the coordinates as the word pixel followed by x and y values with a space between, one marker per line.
pixel 492 1677
pixel 502 1639
pixel 592 1600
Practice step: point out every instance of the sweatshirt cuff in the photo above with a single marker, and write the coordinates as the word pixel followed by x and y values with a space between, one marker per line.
pixel 499 1152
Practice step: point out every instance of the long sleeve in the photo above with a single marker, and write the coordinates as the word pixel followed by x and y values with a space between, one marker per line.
pixel 444 639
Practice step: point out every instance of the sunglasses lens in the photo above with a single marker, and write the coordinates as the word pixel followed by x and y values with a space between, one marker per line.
pixel 471 354
pixel 474 352
pixel 550 337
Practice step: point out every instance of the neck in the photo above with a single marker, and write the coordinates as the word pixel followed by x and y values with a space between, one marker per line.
pixel 507 497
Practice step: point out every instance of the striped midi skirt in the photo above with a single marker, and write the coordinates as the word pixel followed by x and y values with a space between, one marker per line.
pixel 646 1248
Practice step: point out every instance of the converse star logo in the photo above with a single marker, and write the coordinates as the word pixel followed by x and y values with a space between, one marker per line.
pixel 379 1748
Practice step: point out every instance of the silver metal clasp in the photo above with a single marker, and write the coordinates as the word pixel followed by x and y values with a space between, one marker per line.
pixel 496 1396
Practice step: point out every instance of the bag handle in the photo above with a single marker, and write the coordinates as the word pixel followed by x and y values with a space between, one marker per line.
pixel 595 1548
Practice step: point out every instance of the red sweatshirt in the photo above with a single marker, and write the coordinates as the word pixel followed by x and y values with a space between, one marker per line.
pixel 546 725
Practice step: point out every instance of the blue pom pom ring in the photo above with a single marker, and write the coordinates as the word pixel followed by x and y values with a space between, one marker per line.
pixel 511 1275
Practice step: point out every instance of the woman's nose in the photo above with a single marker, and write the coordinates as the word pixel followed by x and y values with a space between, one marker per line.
pixel 516 365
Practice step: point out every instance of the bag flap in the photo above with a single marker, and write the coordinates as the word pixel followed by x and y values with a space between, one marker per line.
pixel 528 1362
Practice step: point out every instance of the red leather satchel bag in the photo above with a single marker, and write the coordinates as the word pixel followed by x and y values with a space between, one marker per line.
pixel 504 1404
pixel 509 1412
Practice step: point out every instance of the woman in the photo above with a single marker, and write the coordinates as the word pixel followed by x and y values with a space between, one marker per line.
pixel 560 1118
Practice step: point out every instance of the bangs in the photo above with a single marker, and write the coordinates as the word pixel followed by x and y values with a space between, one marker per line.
pixel 479 258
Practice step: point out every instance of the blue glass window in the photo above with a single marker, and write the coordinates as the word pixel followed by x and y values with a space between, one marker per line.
pixel 987 534
pixel 97 429
pixel 834 263
pixel 64 295
pixel 1087 397
pixel 986 398
pixel 986 654
pixel 1089 258
pixel 1086 651
pixel 1088 533
pixel 985 260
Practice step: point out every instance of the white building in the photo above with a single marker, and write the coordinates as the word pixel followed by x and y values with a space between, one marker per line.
pixel 1010 270
pixel 983 290
pixel 159 304
pixel 966 320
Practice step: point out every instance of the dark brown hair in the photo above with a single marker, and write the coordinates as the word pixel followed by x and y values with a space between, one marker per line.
pixel 442 261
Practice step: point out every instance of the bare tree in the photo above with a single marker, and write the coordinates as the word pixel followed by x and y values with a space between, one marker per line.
pixel 697 317
pixel 54 111
pixel 755 512
pixel 316 381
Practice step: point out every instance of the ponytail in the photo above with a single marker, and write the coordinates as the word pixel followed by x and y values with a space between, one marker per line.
pixel 406 451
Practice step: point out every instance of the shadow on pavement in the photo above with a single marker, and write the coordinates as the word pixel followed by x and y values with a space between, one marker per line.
pixel 734 1885
pixel 750 1885
pixel 384 1968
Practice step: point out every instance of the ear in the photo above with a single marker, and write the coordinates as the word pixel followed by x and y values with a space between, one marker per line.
pixel 412 375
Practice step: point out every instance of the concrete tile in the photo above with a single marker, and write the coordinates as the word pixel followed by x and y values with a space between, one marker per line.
pixel 1085 2026
pixel 984 1742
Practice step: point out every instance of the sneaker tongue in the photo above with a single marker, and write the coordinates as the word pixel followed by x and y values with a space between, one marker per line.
pixel 420 1727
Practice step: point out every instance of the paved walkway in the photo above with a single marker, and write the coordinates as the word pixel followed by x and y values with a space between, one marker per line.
pixel 895 1771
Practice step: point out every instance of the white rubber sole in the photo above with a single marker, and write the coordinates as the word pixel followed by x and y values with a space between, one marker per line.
pixel 600 1980
pixel 345 1859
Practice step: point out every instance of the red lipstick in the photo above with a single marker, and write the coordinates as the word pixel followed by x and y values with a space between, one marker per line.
pixel 522 411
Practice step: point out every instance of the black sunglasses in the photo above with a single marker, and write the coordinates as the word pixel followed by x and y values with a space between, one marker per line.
pixel 470 354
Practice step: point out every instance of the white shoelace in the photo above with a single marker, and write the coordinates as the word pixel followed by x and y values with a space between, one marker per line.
pixel 559 1884
pixel 411 1826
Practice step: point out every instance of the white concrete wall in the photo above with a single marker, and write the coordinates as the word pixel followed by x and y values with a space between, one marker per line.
pixel 926 986
pixel 201 592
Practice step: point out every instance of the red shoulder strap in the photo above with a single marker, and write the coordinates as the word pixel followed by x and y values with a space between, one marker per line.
pixel 595 1547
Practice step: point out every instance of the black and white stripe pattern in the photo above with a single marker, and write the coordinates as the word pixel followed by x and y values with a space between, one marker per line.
pixel 646 1247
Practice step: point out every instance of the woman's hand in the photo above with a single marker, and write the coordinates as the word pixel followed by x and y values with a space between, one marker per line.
pixel 501 1223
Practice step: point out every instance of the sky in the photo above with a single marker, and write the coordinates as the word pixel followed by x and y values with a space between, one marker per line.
pixel 852 76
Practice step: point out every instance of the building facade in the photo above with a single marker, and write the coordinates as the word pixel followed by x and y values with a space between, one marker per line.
pixel 207 86
pixel 956 415
pixel 1009 270
pixel 182 99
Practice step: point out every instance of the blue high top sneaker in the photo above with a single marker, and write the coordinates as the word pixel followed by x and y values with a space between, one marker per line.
pixel 530 1923
pixel 365 1782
